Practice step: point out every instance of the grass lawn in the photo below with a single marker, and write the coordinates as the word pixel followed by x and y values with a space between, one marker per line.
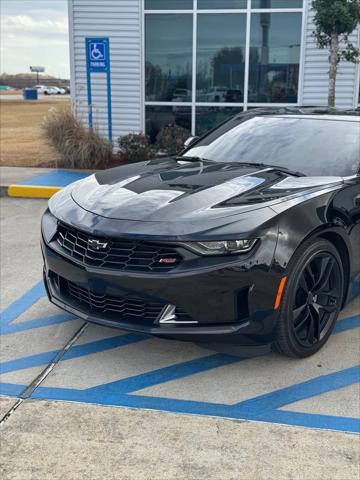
pixel 21 139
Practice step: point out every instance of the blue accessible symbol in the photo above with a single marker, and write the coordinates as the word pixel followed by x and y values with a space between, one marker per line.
pixel 98 61
pixel 97 51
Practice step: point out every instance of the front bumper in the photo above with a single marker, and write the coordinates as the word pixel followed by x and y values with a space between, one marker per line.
pixel 231 302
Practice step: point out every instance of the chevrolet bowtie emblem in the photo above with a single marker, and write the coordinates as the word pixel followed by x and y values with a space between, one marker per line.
pixel 97 244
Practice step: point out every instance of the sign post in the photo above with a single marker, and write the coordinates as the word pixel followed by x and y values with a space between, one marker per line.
pixel 37 70
pixel 98 61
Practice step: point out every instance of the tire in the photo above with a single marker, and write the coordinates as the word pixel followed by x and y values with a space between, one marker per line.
pixel 311 302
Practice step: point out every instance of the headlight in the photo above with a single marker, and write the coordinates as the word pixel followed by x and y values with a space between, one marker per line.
pixel 221 247
pixel 48 226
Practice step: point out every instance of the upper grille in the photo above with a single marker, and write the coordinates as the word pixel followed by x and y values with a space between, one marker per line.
pixel 131 255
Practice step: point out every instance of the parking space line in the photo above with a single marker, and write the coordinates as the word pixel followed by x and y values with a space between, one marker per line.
pixel 344 424
pixel 301 391
pixel 75 352
pixel 20 306
pixel 347 324
pixel 166 374
pixel 37 323
pixel 15 309
pixel 310 420
pixel 55 178
pixel 11 389
pixel 122 392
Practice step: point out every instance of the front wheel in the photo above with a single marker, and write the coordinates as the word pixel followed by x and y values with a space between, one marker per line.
pixel 311 301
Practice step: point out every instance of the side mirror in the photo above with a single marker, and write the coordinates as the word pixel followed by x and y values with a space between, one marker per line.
pixel 190 141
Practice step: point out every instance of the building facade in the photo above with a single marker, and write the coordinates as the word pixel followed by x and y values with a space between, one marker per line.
pixel 196 62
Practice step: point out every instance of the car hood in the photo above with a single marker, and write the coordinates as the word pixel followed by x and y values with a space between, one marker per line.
pixel 171 190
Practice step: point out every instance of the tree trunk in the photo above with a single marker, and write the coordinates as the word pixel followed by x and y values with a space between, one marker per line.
pixel 334 60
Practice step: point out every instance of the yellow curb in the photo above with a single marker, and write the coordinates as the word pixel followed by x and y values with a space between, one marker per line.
pixel 32 191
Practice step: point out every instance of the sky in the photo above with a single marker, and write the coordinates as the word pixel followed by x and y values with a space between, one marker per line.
pixel 34 32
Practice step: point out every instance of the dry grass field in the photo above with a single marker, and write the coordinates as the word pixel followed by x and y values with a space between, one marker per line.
pixel 10 92
pixel 21 139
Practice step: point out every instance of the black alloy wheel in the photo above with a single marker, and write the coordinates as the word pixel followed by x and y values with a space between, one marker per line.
pixel 312 299
pixel 316 299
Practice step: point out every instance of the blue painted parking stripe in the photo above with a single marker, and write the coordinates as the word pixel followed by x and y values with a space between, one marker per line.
pixel 342 424
pixel 166 374
pixel 18 307
pixel 121 393
pixel 310 420
pixel 75 352
pixel 11 389
pixel 55 178
pixel 347 324
pixel 102 345
pixel 302 391
pixel 28 362
pixel 37 323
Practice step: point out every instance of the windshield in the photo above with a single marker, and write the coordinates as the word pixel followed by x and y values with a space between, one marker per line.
pixel 313 146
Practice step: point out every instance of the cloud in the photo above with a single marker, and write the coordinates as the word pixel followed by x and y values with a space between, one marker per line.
pixel 34 35
pixel 20 23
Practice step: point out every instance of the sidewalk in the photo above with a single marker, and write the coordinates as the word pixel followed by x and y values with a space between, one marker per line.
pixel 36 182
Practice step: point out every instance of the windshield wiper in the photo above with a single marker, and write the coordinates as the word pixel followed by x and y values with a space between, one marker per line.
pixel 275 167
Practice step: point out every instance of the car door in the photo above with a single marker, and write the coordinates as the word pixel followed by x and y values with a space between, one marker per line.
pixel 346 212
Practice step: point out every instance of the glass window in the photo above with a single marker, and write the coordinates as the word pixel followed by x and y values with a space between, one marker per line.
pixel 208 118
pixel 168 4
pixel 218 4
pixel 274 57
pixel 311 146
pixel 221 57
pixel 277 3
pixel 168 57
pixel 159 117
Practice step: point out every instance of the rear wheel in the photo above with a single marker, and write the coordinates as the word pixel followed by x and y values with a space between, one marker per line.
pixel 311 301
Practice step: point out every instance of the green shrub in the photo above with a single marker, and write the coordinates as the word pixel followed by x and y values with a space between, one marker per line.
pixel 77 145
pixel 171 138
pixel 135 147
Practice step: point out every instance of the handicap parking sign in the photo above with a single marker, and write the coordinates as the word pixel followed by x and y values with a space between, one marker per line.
pixel 97 55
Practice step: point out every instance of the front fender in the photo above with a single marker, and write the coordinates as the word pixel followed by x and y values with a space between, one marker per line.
pixel 301 222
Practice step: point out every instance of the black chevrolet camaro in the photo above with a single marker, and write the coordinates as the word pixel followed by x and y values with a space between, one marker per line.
pixel 250 237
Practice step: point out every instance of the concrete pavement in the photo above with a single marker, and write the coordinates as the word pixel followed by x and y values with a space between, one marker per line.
pixel 59 441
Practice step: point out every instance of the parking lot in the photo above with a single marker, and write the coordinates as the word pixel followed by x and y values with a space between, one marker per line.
pixel 289 412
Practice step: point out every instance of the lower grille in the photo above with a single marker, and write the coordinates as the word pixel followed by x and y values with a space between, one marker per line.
pixel 127 307
pixel 115 308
